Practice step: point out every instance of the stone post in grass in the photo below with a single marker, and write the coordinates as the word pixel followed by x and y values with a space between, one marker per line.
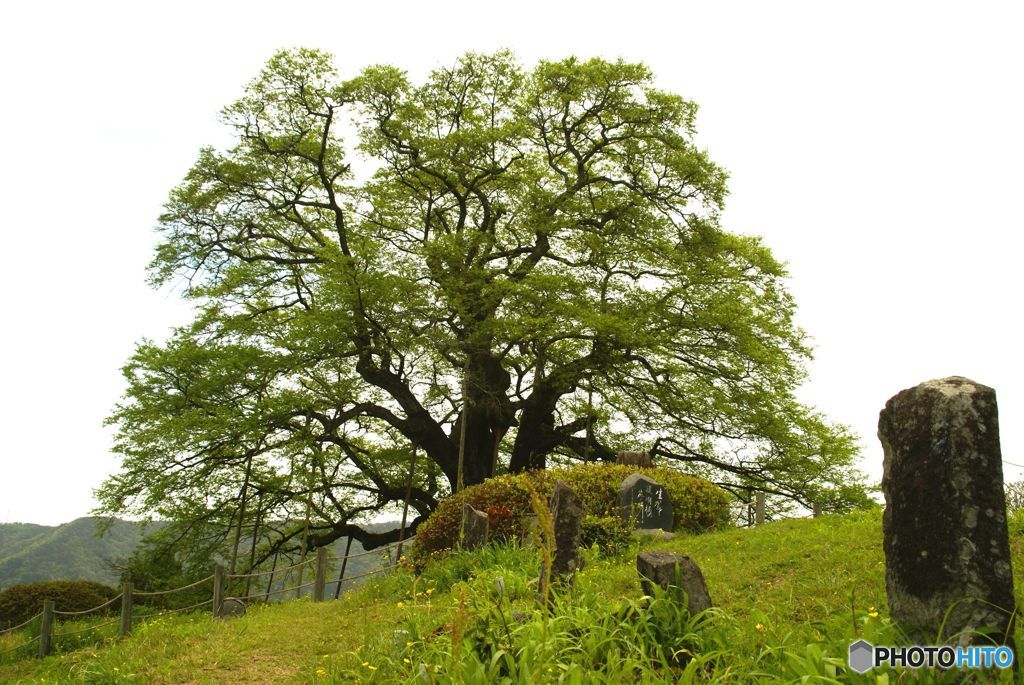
pixel 945 535
pixel 474 529
pixel 567 512
pixel 676 573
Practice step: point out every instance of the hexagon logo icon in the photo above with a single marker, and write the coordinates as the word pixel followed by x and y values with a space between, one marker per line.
pixel 861 658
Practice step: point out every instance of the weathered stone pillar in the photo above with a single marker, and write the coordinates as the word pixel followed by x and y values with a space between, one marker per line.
pixel 474 528
pixel 946 541
pixel 567 512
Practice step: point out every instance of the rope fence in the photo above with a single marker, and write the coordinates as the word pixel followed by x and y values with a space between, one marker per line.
pixel 20 625
pixel 379 550
pixel 179 610
pixel 270 572
pixel 87 611
pixel 362 575
pixel 87 629
pixel 21 646
pixel 49 615
pixel 177 589
pixel 284 589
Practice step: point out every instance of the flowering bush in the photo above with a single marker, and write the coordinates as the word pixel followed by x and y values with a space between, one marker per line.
pixel 697 504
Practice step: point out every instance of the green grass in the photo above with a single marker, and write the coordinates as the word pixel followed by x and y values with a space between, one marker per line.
pixel 789 597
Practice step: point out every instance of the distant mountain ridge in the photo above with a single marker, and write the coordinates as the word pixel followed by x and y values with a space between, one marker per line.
pixel 70 551
pixel 31 552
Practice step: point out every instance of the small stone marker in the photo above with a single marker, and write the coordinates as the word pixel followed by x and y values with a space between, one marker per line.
pixel 644 503
pixel 567 512
pixel 674 570
pixel 474 528
pixel 634 458
pixel 231 607
pixel 655 533
pixel 945 535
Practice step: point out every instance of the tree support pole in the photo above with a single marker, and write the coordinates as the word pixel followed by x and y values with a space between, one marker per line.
pixel 344 563
pixel 405 508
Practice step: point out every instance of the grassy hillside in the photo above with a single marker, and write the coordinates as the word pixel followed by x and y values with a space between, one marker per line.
pixel 71 551
pixel 789 597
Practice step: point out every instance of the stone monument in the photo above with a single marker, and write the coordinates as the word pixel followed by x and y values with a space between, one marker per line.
pixel 644 503
pixel 945 536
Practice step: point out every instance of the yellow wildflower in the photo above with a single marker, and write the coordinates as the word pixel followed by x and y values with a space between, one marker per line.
pixel 400 605
pixel 760 627
pixel 872 612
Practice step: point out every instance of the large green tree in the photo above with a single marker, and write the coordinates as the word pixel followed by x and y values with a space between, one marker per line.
pixel 516 266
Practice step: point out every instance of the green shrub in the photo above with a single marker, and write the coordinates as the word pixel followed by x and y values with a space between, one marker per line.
pixel 697 505
pixel 18 603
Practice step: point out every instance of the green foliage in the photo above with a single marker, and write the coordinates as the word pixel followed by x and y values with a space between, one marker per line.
pixel 30 553
pixel 18 603
pixel 789 598
pixel 1014 496
pixel 697 505
pixel 530 265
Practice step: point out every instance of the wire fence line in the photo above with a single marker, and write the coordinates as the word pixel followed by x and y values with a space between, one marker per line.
pixel 48 616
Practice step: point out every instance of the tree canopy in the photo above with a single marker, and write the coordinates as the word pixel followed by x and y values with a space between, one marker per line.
pixel 521 266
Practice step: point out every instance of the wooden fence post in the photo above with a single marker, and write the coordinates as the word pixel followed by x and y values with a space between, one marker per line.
pixel 759 509
pixel 46 628
pixel 321 574
pixel 126 608
pixel 218 589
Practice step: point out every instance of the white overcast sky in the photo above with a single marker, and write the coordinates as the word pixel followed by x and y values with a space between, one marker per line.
pixel 877 148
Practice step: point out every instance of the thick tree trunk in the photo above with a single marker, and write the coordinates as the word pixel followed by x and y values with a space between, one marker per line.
pixel 487 416
pixel 536 435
